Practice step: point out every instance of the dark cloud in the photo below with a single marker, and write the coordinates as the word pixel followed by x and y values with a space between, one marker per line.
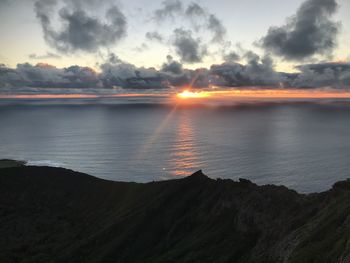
pixel 129 76
pixel 172 66
pixel 175 74
pixel 47 76
pixel 80 31
pixel 189 49
pixel 48 55
pixel 310 32
pixel 257 72
pixel 169 9
pixel 195 9
pixel 113 59
pixel 154 36
pixel 8 77
pixel 322 74
pixel 199 17
pixel 231 57
pixel 217 28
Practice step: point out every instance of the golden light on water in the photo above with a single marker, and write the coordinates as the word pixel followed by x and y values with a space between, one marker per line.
pixel 185 157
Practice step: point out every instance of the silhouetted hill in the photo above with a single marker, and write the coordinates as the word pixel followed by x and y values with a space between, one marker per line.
pixel 58 215
pixel 6 163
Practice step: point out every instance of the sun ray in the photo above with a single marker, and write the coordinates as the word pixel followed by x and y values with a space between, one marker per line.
pixel 153 138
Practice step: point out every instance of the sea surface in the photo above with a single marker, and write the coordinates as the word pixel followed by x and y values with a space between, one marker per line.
pixel 304 145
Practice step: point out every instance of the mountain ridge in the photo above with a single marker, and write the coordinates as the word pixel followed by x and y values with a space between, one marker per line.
pixel 59 215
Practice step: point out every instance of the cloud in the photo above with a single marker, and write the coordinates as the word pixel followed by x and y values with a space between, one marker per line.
pixel 47 76
pixel 217 28
pixel 211 22
pixel 48 55
pixel 257 72
pixel 172 66
pixel 310 32
pixel 323 74
pixel 113 59
pixel 80 31
pixel 169 9
pixel 200 21
pixel 231 57
pixel 128 76
pixel 194 10
pixel 189 49
pixel 154 36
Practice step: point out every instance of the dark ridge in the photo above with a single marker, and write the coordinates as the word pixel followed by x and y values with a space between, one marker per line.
pixel 58 215
pixel 7 163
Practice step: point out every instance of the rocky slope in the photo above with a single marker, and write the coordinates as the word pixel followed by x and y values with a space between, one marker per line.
pixel 58 215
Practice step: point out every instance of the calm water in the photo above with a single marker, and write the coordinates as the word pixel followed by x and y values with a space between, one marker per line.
pixel 305 147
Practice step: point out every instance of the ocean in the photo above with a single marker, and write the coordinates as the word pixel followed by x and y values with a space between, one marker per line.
pixel 302 145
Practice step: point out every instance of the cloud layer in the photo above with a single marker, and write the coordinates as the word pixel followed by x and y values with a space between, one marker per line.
pixel 257 72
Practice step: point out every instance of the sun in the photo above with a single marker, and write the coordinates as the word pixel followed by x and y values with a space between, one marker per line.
pixel 186 94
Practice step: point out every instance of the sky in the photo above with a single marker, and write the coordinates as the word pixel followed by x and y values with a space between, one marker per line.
pixel 173 43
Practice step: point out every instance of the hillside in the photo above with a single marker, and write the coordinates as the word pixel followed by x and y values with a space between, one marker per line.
pixel 58 215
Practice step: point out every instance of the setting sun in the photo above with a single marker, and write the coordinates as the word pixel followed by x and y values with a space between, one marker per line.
pixel 186 94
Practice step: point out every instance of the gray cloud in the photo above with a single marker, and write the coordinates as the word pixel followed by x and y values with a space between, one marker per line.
pixel 231 57
pixel 257 72
pixel 310 32
pixel 47 76
pixel 129 76
pixel 113 59
pixel 199 17
pixel 195 9
pixel 48 55
pixel 169 9
pixel 217 28
pixel 323 74
pixel 189 49
pixel 154 36
pixel 80 31
pixel 172 66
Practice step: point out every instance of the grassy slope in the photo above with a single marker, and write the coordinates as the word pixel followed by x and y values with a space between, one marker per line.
pixel 57 215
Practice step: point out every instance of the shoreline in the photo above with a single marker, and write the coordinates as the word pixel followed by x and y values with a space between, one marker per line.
pixel 10 163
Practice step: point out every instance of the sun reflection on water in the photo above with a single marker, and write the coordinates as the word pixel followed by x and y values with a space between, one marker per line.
pixel 184 158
